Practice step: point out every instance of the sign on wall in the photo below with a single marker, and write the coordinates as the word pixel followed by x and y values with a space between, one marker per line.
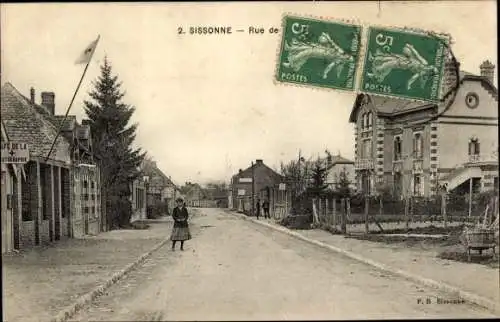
pixel 15 153
pixel 245 180
pixel 241 192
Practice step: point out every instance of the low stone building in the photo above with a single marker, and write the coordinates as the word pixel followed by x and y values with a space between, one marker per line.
pixel 59 196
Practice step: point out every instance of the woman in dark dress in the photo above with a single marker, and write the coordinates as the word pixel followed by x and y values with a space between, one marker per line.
pixel 180 232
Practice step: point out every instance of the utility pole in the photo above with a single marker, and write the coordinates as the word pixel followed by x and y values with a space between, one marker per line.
pixel 253 190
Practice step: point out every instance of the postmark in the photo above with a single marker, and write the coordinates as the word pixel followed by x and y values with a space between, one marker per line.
pixel 404 63
pixel 319 53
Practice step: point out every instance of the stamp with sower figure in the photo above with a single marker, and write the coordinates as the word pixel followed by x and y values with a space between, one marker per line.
pixel 321 53
pixel 404 64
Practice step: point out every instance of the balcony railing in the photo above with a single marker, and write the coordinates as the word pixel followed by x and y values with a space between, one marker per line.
pixel 477 158
pixel 363 164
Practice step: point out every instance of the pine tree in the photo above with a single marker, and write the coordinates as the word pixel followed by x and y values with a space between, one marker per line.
pixel 112 143
pixel 318 175
pixel 343 184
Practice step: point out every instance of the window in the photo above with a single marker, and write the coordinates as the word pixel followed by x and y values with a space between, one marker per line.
pixel 474 146
pixel 397 148
pixel 370 120
pixel 366 151
pixel 418 185
pixel 418 144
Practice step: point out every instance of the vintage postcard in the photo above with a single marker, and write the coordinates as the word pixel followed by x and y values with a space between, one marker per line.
pixel 212 161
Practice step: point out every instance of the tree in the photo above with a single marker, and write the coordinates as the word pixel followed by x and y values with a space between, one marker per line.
pixel 112 142
pixel 318 178
pixel 343 183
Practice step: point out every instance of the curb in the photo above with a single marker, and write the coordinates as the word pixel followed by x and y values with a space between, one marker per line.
pixel 87 298
pixel 464 295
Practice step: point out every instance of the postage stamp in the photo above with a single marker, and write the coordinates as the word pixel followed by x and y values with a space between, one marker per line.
pixel 404 64
pixel 319 53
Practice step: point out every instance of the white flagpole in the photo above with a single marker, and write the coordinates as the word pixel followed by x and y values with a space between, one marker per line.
pixel 72 100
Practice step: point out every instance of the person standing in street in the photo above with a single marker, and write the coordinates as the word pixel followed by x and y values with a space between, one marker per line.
pixel 265 207
pixel 257 208
pixel 180 232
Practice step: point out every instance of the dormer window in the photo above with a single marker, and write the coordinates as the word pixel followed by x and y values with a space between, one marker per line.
pixel 366 121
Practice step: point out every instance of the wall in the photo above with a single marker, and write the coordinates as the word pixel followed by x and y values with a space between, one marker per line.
pixel 463 122
pixel 27 234
pixel 264 177
pixel 66 203
pixel 138 213
pixel 29 206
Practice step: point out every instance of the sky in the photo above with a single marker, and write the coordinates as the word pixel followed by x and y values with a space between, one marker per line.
pixel 207 105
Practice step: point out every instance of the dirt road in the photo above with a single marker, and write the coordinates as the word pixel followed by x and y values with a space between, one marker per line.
pixel 235 270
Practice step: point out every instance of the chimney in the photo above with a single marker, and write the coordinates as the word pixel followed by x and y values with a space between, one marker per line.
pixel 240 171
pixel 32 95
pixel 488 70
pixel 329 160
pixel 259 161
pixel 450 75
pixel 48 101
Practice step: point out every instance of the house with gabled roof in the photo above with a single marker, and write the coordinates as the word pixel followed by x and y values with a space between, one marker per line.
pixel 335 166
pixel 160 187
pixel 419 148
pixel 59 195
pixel 258 178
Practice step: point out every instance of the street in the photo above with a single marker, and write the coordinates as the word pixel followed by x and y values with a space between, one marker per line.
pixel 234 270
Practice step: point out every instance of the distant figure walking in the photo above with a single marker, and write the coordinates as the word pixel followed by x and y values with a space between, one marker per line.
pixel 180 232
pixel 265 207
pixel 257 208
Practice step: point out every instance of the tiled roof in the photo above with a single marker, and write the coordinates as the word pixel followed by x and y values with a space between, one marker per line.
pixel 391 105
pixel 337 159
pixel 25 122
pixel 151 169
pixel 69 123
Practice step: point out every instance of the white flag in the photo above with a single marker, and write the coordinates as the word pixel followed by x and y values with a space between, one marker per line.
pixel 87 54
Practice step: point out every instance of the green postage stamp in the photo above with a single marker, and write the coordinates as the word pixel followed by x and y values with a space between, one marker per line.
pixel 319 53
pixel 404 64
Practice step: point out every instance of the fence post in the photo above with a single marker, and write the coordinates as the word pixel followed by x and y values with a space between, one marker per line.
pixel 334 213
pixel 343 210
pixel 367 204
pixel 407 213
pixel 328 221
pixel 443 210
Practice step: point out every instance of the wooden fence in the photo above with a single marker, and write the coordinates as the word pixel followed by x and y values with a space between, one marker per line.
pixel 377 213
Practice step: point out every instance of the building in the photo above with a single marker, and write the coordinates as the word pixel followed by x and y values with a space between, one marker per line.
pixel 196 196
pixel 415 148
pixel 259 179
pixel 336 165
pixel 58 197
pixel 11 176
pixel 138 199
pixel 160 188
